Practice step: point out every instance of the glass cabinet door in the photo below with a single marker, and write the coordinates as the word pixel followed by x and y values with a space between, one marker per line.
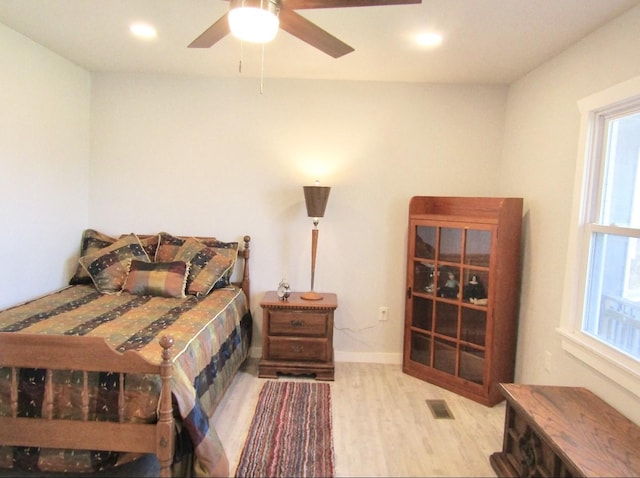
pixel 450 297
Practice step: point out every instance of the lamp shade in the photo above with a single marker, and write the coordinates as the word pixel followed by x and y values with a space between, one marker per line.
pixel 254 21
pixel 316 197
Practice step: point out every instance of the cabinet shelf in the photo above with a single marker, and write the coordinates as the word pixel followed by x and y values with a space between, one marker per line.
pixel 446 337
pixel 463 270
pixel 463 303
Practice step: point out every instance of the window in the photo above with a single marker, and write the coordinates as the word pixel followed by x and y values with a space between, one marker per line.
pixel 601 313
pixel 612 299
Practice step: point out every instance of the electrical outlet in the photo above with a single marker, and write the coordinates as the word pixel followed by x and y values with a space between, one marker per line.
pixel 383 313
pixel 547 361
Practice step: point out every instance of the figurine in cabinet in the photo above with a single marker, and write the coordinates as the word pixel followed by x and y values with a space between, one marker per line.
pixel 474 290
pixel 450 288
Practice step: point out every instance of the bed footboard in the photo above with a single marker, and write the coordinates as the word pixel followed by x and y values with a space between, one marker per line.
pixel 86 354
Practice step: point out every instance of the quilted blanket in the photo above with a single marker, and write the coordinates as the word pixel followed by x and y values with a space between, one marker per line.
pixel 211 340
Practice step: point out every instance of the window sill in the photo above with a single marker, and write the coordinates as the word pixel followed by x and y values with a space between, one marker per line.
pixel 617 367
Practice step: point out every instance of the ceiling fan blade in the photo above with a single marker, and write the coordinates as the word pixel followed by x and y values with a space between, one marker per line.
pixel 309 32
pixel 211 35
pixel 308 4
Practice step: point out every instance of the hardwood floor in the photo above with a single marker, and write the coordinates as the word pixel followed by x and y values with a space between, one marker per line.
pixel 382 425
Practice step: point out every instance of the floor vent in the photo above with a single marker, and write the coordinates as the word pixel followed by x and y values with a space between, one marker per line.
pixel 439 409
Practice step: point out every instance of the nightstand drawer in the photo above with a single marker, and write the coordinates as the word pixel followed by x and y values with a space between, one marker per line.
pixel 296 323
pixel 303 350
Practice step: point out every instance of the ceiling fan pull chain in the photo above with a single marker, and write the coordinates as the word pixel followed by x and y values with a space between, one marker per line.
pixel 262 72
pixel 241 52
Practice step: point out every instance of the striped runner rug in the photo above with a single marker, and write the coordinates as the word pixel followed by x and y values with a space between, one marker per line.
pixel 290 434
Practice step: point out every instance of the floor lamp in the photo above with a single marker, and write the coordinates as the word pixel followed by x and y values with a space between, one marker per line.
pixel 315 197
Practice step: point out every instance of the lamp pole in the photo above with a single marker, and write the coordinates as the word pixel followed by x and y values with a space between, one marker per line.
pixel 315 198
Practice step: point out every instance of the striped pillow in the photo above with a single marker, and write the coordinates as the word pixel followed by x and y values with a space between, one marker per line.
pixel 207 266
pixel 92 241
pixel 161 279
pixel 149 243
pixel 230 251
pixel 109 266
pixel 169 246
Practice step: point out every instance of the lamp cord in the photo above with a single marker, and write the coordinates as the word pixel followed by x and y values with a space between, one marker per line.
pixel 359 329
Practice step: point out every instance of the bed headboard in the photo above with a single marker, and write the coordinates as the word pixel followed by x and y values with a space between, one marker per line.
pixel 245 252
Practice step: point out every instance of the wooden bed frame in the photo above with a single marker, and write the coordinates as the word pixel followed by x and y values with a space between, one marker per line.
pixel 92 354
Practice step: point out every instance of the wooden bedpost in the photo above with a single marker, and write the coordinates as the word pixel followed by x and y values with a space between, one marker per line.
pixel 165 427
pixel 246 279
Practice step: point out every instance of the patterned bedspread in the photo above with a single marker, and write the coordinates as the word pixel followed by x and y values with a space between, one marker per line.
pixel 211 340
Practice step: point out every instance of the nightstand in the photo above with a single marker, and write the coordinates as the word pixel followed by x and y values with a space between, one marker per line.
pixel 297 336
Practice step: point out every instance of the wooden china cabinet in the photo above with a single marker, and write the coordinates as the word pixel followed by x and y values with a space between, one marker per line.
pixel 462 296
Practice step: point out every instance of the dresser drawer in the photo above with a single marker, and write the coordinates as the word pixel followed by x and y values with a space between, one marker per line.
pixel 302 350
pixel 298 323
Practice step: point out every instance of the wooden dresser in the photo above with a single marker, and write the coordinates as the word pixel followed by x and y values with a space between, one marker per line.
pixel 297 336
pixel 565 432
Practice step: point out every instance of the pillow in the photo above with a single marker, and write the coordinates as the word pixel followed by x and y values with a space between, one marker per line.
pixel 92 241
pixel 230 251
pixel 150 244
pixel 161 279
pixel 108 267
pixel 168 246
pixel 207 266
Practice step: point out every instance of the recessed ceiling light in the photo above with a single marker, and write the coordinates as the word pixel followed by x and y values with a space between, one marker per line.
pixel 429 39
pixel 143 30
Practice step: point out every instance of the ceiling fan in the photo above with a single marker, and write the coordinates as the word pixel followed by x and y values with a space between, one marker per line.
pixel 293 23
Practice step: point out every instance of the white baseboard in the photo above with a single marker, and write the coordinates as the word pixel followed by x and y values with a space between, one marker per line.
pixel 357 357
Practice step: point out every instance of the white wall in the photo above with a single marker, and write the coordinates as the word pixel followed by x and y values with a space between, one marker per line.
pixel 200 156
pixel 44 153
pixel 214 157
pixel 540 154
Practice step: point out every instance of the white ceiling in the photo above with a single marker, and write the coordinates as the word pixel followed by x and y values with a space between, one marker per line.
pixel 485 41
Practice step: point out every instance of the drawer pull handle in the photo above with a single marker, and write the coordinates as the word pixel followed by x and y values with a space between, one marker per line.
pixel 297 348
pixel 297 323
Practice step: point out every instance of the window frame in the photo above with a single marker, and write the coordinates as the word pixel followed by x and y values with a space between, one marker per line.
pixel 594 110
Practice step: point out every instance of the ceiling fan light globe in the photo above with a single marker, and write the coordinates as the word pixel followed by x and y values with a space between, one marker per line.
pixel 253 24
